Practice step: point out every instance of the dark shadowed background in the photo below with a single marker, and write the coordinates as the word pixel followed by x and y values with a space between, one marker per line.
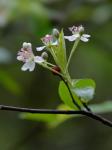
pixel 29 20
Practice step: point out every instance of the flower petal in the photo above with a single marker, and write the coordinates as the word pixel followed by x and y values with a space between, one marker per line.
pixel 31 65
pixel 86 35
pixel 72 37
pixel 28 66
pixel 40 48
pixel 20 58
pixel 84 39
pixel 25 67
pixel 38 59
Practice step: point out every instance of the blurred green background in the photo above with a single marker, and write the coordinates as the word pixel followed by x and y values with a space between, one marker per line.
pixel 29 20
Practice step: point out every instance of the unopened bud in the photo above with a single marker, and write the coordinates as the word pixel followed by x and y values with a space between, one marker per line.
pixel 56 70
pixel 55 33
pixel 81 29
pixel 44 55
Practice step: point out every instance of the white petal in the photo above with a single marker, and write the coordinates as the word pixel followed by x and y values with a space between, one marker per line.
pixel 28 65
pixel 24 44
pixel 38 59
pixel 72 37
pixel 86 35
pixel 20 58
pixel 25 67
pixel 31 66
pixel 55 43
pixel 27 45
pixel 84 39
pixel 40 48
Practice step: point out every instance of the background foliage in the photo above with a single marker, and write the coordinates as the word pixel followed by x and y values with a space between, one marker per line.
pixel 25 20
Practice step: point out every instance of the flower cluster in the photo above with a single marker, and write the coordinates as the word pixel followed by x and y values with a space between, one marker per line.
pixel 26 55
pixel 47 41
pixel 51 43
pixel 77 33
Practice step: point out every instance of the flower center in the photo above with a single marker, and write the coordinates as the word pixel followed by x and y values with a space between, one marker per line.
pixel 47 40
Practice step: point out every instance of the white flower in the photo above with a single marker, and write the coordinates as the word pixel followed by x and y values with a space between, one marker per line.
pixel 77 33
pixel 48 41
pixel 26 55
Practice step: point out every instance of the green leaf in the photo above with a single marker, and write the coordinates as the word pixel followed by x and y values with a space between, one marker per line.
pixel 65 96
pixel 60 117
pixel 60 52
pixel 104 107
pixel 39 117
pixel 52 120
pixel 84 89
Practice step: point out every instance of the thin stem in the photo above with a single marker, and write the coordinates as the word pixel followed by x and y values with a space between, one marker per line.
pixel 50 64
pixel 73 100
pixel 53 111
pixel 52 70
pixel 71 53
pixel 53 54
pixel 85 105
